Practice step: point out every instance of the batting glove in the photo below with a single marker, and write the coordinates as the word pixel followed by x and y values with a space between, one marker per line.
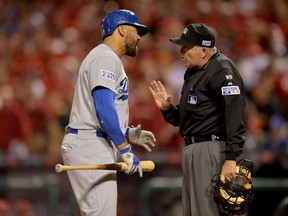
pixel 131 160
pixel 140 137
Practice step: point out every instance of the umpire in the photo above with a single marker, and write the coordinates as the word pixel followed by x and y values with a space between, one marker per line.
pixel 210 116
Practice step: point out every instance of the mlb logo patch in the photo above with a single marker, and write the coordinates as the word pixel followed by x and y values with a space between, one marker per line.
pixel 230 90
pixel 192 99
pixel 108 75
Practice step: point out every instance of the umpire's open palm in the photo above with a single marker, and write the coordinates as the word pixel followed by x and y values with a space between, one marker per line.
pixel 158 91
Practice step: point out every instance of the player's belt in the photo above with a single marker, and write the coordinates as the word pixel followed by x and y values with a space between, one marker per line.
pixel 98 132
pixel 210 137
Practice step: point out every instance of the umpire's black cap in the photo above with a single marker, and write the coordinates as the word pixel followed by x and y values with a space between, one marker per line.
pixel 196 34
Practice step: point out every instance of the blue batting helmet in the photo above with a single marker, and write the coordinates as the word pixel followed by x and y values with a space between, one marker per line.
pixel 121 17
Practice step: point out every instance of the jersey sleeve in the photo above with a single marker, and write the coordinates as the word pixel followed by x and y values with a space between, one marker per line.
pixel 103 72
pixel 230 88
pixel 172 115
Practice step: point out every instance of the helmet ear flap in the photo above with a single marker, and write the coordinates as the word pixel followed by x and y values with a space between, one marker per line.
pixel 232 196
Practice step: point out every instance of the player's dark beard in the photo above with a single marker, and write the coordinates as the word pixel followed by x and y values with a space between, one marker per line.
pixel 131 46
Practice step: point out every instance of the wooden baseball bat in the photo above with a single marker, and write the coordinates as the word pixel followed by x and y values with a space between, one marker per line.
pixel 147 166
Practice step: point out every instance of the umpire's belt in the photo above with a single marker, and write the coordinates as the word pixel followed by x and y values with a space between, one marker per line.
pixel 98 132
pixel 210 137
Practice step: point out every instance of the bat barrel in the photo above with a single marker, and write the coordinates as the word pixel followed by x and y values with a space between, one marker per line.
pixel 147 166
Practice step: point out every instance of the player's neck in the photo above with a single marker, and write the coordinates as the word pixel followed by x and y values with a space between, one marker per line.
pixel 115 45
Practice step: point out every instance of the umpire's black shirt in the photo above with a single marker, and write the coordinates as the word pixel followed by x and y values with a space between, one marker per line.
pixel 212 102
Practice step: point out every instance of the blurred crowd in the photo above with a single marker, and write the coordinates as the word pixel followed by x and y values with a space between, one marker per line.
pixel 20 207
pixel 42 44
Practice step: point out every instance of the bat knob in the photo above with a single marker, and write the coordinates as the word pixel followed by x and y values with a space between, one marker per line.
pixel 58 168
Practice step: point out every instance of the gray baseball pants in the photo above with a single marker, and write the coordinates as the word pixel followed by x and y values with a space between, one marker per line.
pixel 200 162
pixel 95 190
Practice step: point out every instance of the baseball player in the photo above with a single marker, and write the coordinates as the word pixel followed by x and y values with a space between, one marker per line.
pixel 98 125
pixel 210 116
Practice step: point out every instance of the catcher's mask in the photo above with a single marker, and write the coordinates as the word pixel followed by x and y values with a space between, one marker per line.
pixel 232 196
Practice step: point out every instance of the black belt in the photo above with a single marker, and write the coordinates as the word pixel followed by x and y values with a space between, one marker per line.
pixel 211 137
pixel 98 132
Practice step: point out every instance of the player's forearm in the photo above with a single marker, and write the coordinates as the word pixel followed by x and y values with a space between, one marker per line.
pixel 107 114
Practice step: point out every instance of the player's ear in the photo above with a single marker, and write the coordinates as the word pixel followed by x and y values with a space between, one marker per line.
pixel 121 30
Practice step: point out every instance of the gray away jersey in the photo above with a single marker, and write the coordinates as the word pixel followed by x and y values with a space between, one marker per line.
pixel 101 67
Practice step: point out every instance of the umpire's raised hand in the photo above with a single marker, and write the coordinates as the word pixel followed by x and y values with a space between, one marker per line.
pixel 158 91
